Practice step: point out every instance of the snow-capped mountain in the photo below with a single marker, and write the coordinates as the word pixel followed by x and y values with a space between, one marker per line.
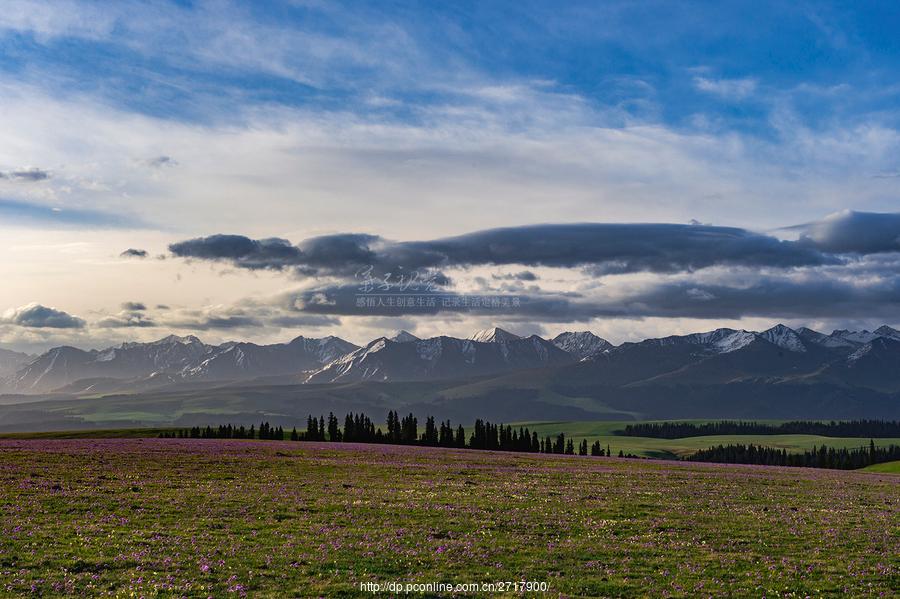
pixel 178 358
pixel 713 357
pixel 724 340
pixel 11 361
pixel 816 338
pixel 717 341
pixel 784 337
pixel 139 359
pixel 234 361
pixel 844 339
pixel 888 332
pixel 494 335
pixel 57 367
pixel 442 357
pixel 581 344
pixel 875 365
pixel 854 337
pixel 404 337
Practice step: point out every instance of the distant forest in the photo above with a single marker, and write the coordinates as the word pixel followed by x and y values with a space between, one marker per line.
pixel 359 428
pixel 848 428
pixel 823 457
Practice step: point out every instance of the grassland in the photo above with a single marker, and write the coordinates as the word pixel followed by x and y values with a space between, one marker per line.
pixel 604 431
pixel 886 468
pixel 147 517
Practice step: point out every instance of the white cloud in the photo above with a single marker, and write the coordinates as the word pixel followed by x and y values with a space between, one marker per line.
pixel 50 19
pixel 732 89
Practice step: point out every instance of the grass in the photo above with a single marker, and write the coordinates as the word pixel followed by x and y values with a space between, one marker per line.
pixel 148 517
pixel 604 431
pixel 673 448
pixel 112 433
pixel 886 468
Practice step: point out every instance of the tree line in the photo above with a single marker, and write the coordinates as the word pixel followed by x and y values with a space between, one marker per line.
pixel 821 457
pixel 485 435
pixel 846 428
pixel 227 431
pixel 404 430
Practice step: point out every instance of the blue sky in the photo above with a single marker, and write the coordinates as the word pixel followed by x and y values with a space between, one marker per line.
pixel 152 123
pixel 734 63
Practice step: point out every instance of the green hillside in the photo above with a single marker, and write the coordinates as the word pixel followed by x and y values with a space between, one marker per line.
pixel 604 431
pixel 886 468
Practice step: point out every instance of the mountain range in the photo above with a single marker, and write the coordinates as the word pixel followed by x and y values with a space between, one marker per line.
pixel 577 375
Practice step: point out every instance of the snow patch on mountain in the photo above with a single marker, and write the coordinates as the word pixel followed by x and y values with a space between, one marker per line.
pixel 404 337
pixel 784 337
pixel 494 335
pixel 581 343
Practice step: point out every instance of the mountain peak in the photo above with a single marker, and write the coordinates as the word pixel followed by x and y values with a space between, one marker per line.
pixel 172 339
pixel 886 331
pixel 404 337
pixel 494 335
pixel 810 332
pixel 854 337
pixel 784 337
pixel 581 343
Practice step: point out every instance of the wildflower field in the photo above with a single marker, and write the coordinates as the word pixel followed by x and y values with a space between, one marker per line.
pixel 198 517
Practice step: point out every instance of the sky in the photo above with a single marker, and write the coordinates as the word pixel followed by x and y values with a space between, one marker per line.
pixel 248 170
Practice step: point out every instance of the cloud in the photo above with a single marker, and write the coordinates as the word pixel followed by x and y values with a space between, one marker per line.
pixel 851 232
pixel 242 251
pixel 733 89
pixel 41 317
pixel 604 247
pixel 134 306
pixel 776 297
pixel 48 20
pixel 722 295
pixel 212 317
pixel 134 253
pixel 31 175
pixel 525 275
pixel 161 161
pixel 289 321
pixel 126 319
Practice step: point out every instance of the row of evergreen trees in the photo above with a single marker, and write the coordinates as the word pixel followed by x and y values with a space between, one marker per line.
pixel 845 428
pixel 266 431
pixel 821 457
pixel 359 428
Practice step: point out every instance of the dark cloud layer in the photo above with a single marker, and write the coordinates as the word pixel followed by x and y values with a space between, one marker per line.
pixel 242 251
pixel 41 317
pixel 603 248
pixel 844 266
pixel 776 296
pixel 618 248
pixel 853 232
pixel 134 253
pixel 30 175
pixel 779 297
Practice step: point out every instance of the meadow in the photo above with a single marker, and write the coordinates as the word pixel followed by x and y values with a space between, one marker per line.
pixel 605 432
pixel 192 517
